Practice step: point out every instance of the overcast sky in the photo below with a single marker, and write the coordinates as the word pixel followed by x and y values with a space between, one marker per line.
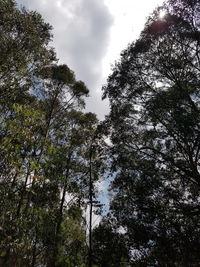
pixel 90 34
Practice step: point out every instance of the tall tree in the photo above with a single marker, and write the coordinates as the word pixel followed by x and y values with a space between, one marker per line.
pixel 45 143
pixel 24 50
pixel 155 126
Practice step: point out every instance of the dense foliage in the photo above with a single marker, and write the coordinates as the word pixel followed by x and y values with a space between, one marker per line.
pixel 46 142
pixel 52 152
pixel 155 132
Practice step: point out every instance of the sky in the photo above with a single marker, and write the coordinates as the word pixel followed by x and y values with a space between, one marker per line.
pixel 90 34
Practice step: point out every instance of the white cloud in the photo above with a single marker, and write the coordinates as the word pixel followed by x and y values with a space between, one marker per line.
pixel 129 19
pixel 81 36
pixel 90 34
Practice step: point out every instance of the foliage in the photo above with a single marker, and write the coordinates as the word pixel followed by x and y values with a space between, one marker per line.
pixel 109 246
pixel 52 152
pixel 155 129
pixel 45 140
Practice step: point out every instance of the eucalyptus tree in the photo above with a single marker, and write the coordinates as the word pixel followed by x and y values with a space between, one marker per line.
pixel 155 129
pixel 24 50
pixel 46 141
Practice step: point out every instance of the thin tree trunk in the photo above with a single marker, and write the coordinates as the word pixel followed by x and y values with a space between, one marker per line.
pixel 52 262
pixel 22 195
pixel 90 215
pixel 34 250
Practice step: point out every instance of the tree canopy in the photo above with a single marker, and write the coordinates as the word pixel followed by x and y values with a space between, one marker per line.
pixel 46 138
pixel 53 152
pixel 155 129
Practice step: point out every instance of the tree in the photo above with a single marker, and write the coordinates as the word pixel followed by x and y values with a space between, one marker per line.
pixel 45 143
pixel 109 246
pixel 155 126
pixel 24 50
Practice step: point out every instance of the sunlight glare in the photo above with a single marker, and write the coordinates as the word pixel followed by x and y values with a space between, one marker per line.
pixel 162 14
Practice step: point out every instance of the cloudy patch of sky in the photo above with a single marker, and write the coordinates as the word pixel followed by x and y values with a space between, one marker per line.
pixel 90 34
